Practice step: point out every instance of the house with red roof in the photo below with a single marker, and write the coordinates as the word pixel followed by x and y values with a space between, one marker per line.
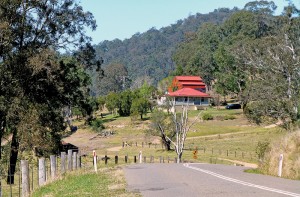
pixel 189 90
pixel 194 82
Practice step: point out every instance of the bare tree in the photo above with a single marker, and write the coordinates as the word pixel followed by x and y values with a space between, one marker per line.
pixel 178 130
pixel 182 127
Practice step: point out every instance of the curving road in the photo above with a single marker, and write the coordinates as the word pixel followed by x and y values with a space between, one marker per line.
pixel 205 180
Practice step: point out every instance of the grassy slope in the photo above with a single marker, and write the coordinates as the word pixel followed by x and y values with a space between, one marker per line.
pixel 212 138
pixel 237 136
pixel 107 182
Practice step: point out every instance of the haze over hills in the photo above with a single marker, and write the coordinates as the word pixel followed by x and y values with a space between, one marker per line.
pixel 150 53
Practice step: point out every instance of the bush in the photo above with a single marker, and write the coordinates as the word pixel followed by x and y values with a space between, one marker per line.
pixel 229 117
pixel 97 125
pixel 207 116
pixel 261 149
pixel 220 118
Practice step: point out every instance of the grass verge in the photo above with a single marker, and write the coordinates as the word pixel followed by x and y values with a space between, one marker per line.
pixel 107 182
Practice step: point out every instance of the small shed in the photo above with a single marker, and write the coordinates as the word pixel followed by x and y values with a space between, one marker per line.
pixel 65 146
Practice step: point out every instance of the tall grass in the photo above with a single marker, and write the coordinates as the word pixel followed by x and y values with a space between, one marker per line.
pixel 289 146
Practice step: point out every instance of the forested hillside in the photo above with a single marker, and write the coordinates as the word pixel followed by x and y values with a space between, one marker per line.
pixel 150 53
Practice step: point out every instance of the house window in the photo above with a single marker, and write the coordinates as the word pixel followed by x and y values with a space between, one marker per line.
pixel 185 99
pixel 202 100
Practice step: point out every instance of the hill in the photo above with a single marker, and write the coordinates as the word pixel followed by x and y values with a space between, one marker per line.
pixel 150 53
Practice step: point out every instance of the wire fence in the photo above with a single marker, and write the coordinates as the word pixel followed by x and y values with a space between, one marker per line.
pixel 12 184
pixel 249 156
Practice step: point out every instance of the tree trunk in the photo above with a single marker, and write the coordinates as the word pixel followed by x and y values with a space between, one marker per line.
pixel 2 127
pixel 167 143
pixel 1 131
pixel 14 148
pixel 179 155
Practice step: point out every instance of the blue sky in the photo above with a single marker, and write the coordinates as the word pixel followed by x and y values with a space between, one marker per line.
pixel 123 18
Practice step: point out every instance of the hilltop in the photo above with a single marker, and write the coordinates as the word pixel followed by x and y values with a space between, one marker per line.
pixel 150 53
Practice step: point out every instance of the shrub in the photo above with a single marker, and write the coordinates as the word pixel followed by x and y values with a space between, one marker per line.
pixel 97 125
pixel 207 116
pixel 229 117
pixel 261 149
pixel 221 118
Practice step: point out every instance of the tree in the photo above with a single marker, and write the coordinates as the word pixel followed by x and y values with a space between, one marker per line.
pixel 161 126
pixel 32 78
pixel 175 131
pixel 275 64
pixel 140 106
pixel 164 84
pixel 126 98
pixel 114 79
pixel 112 101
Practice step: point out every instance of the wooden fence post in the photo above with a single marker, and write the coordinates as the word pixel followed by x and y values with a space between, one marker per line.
pixel 53 166
pixel 42 171
pixel 25 178
pixel 74 165
pixel 160 159
pixel 168 159
pixel 145 160
pixel 125 159
pixel 106 159
pixel 78 162
pixel 116 159
pixel 69 160
pixel 140 157
pixel 134 159
pixel 62 162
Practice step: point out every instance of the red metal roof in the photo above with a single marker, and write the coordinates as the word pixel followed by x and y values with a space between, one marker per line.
pixel 188 78
pixel 188 92
pixel 191 83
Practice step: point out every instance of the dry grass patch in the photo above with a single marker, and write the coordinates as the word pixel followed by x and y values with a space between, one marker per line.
pixel 289 146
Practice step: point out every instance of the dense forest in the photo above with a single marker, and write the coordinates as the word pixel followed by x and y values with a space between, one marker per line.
pixel 147 55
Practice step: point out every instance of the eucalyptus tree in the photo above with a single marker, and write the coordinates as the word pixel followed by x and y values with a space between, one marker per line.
pixel 172 128
pixel 275 64
pixel 32 79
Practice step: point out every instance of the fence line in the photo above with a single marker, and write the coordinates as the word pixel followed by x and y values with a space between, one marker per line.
pixel 31 175
pixel 205 150
pixel 59 165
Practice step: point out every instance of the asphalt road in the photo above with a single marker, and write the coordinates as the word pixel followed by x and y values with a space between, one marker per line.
pixel 205 180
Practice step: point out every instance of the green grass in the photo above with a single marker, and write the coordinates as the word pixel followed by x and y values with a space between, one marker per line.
pixel 90 184
pixel 253 171
pixel 216 112
pixel 237 137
